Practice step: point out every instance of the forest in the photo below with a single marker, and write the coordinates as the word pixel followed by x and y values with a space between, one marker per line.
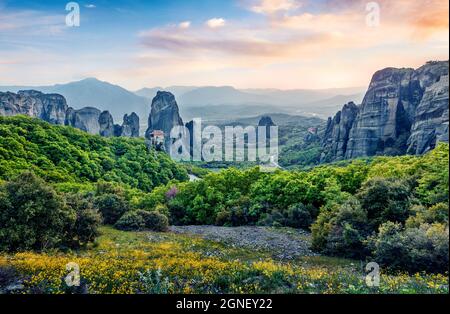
pixel 60 187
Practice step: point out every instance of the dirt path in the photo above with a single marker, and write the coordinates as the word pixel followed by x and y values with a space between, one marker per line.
pixel 284 244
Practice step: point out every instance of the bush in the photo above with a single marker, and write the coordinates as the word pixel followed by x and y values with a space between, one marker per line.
pixel 300 216
pixel 111 206
pixel 425 248
pixel 162 209
pixel 154 221
pixel 87 221
pixel 32 215
pixel 131 221
pixel 348 230
pixel 385 200
pixel 435 214
pixel 142 219
pixel 177 212
pixel 223 218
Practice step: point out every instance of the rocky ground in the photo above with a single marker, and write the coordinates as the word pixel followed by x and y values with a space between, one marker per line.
pixel 284 244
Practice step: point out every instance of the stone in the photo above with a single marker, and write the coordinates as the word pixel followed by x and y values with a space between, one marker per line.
pixel 164 115
pixel 106 124
pixel 49 107
pixel 403 111
pixel 86 119
pixel 431 119
pixel 130 126
pixel 338 131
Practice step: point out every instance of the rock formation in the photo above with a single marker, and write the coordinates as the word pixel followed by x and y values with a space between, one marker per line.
pixel 53 109
pixel 431 119
pixel 266 121
pixel 106 124
pixel 48 107
pixel 337 132
pixel 404 110
pixel 164 115
pixel 130 126
pixel 86 119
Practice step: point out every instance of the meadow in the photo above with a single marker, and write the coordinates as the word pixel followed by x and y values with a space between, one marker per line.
pixel 121 262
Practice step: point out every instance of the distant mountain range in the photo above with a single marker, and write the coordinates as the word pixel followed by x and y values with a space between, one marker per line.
pixel 208 102
pixel 91 92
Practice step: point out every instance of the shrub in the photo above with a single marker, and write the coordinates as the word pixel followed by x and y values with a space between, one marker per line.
pixel 177 212
pixel 131 221
pixel 435 214
pixel 385 200
pixel 154 221
pixel 111 206
pixel 348 230
pixel 142 219
pixel 425 248
pixel 273 218
pixel 300 216
pixel 162 209
pixel 87 221
pixel 32 215
pixel 223 218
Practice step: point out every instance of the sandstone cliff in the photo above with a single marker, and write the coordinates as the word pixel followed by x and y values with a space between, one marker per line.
pixel 130 126
pixel 54 109
pixel 164 115
pixel 404 110
pixel 48 107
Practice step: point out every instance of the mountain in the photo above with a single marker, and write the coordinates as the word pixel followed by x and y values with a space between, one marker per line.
pixel 304 96
pixel 322 108
pixel 404 111
pixel 53 108
pixel 208 102
pixel 177 91
pixel 91 92
pixel 226 102
pixel 226 113
pixel 164 116
pixel 280 119
pixel 223 95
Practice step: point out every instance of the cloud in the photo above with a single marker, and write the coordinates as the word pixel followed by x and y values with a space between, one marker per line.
pixel 215 22
pixel 30 23
pixel 90 6
pixel 184 25
pixel 272 6
pixel 295 39
pixel 280 44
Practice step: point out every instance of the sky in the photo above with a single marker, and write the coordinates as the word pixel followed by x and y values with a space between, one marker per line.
pixel 284 44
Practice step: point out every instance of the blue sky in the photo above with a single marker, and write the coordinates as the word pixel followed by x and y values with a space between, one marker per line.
pixel 243 43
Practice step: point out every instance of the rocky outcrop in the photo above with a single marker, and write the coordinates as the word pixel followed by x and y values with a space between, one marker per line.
pixel 402 111
pixel 106 124
pixel 266 121
pixel 130 126
pixel 86 119
pixel 338 131
pixel 164 115
pixel 431 119
pixel 49 107
pixel 53 109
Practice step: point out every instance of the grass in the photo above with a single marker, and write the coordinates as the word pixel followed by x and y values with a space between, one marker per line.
pixel 147 262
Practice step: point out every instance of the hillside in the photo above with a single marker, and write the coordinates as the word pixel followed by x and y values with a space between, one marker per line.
pixel 64 154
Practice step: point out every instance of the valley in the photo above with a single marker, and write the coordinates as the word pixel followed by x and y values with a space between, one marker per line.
pixel 369 184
